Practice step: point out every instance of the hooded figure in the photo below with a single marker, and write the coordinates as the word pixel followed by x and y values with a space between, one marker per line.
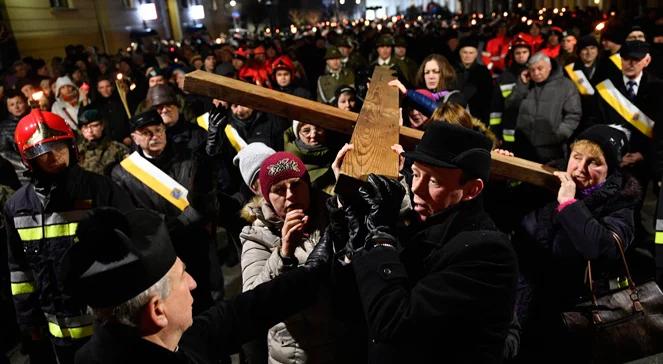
pixel 67 101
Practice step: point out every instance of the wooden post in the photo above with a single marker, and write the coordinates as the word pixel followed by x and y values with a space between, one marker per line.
pixel 376 131
pixel 328 117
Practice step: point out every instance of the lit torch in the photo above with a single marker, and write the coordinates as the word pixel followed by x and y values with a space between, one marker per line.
pixel 34 99
pixel 123 93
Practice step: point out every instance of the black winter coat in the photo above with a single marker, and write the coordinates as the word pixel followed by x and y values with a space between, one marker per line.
pixel 448 296
pixel 553 248
pixel 178 162
pixel 116 122
pixel 215 333
pixel 476 85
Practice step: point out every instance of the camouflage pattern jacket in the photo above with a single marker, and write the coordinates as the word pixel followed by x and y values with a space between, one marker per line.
pixel 100 156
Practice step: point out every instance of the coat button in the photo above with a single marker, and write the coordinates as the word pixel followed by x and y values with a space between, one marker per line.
pixel 386 271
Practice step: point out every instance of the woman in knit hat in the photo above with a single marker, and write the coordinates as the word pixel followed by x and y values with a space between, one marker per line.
pixel 594 212
pixel 311 144
pixel 288 224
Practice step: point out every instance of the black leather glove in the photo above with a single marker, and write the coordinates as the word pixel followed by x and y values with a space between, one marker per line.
pixel 356 226
pixel 320 258
pixel 217 121
pixel 383 197
pixel 337 224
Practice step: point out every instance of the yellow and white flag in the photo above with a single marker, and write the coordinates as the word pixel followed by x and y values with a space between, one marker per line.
pixel 580 80
pixel 625 108
pixel 156 179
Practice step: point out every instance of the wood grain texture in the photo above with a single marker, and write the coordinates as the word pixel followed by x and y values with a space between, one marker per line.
pixel 328 117
pixel 376 131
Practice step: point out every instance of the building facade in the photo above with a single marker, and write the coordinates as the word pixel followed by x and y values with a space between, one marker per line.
pixel 42 28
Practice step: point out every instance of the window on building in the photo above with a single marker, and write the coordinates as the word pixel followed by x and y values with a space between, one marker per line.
pixel 60 4
pixel 129 4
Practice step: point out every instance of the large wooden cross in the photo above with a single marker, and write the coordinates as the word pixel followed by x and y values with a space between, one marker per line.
pixel 373 130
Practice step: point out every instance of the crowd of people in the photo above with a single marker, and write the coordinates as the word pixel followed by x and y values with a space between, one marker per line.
pixel 124 194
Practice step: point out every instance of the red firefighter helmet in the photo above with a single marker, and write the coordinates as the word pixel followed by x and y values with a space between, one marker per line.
pixel 39 132
pixel 283 63
pixel 520 41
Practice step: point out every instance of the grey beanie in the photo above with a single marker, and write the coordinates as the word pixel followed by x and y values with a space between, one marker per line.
pixel 249 160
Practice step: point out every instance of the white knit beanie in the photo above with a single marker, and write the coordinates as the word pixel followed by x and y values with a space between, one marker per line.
pixel 249 159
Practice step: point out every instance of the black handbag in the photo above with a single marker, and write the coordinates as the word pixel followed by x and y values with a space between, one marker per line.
pixel 621 325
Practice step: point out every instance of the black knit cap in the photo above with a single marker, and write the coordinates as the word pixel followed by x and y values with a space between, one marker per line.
pixel 468 41
pixel 149 117
pixel 118 256
pixel 588 40
pixel 612 141
pixel 453 146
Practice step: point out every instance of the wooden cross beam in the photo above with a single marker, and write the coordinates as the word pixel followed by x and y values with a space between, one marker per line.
pixel 375 132
pixel 332 118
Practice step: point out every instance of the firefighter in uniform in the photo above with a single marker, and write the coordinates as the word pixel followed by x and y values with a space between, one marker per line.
pixel 504 109
pixel 41 219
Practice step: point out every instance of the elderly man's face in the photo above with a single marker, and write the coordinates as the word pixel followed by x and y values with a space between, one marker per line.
pixel 435 189
pixel 540 71
pixel 632 68
pixel 178 305
pixel 151 139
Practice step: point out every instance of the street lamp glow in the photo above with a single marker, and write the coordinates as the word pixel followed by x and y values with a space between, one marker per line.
pixel 357 2
pixel 342 2
pixel 523 19
pixel 473 22
pixel 520 5
pixel 505 14
pixel 555 11
pixel 148 11
pixel 600 26
pixel 197 12
pixel 233 3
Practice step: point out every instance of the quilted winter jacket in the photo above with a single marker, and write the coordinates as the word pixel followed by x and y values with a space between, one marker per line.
pixel 308 336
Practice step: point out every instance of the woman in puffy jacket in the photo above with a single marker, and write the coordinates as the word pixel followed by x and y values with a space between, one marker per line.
pixel 288 221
